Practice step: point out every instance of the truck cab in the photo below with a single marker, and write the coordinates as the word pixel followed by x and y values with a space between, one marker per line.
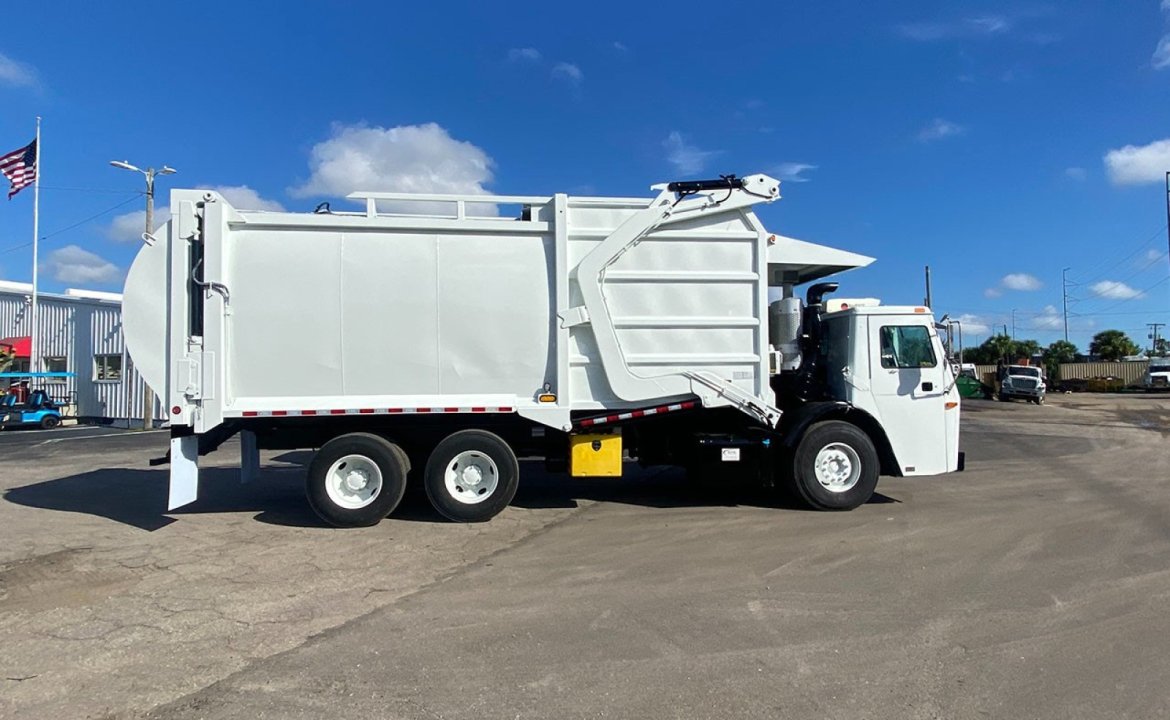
pixel 889 363
pixel 1157 375
pixel 1025 382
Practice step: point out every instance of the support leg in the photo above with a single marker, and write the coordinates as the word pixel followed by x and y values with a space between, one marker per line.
pixel 249 457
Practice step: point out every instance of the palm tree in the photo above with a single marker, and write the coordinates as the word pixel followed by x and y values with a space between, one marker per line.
pixel 1112 345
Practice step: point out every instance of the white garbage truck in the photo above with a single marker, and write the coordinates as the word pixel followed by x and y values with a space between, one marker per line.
pixel 433 339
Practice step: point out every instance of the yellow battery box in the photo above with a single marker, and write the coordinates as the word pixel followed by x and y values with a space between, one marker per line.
pixel 595 455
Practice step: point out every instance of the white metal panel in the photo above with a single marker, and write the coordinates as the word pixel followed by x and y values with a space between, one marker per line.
pixel 496 318
pixel 389 343
pixel 285 330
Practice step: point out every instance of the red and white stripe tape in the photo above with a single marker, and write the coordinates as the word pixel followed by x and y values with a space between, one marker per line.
pixel 603 419
pixel 372 411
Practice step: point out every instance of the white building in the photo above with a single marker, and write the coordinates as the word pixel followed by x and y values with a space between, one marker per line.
pixel 80 333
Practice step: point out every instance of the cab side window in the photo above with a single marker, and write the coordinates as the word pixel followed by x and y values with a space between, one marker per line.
pixel 907 346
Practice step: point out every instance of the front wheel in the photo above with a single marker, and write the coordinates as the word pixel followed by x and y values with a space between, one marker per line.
pixel 471 476
pixel 835 466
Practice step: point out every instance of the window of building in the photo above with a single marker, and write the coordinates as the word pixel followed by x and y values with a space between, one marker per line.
pixel 54 363
pixel 107 367
pixel 907 346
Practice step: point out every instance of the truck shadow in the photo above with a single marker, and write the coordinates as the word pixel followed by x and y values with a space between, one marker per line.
pixel 137 497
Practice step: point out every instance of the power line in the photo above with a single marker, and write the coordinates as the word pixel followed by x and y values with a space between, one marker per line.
pixel 121 191
pixel 1139 294
pixel 74 225
pixel 1154 236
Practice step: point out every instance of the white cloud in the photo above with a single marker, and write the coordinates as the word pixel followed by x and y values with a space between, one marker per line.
pixel 73 264
pixel 1048 319
pixel 1152 254
pixel 1134 165
pixel 939 129
pixel 932 31
pixel 621 47
pixel 974 325
pixel 1114 290
pixel 524 55
pixel 793 171
pixel 1075 173
pixel 568 72
pixel 16 73
pixel 686 158
pixel 989 24
pixel 242 197
pixel 1021 281
pixel 407 158
pixel 1166 5
pixel 129 227
pixel 1161 57
pixel 992 292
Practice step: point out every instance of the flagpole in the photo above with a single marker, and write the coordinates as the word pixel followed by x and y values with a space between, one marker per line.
pixel 34 346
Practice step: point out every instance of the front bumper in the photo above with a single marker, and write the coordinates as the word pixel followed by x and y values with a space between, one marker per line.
pixel 1023 391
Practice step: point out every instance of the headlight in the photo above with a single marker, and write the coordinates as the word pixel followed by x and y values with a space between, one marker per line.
pixel 1007 381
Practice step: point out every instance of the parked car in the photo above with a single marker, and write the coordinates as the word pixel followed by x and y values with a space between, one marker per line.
pixel 1157 375
pixel 1025 382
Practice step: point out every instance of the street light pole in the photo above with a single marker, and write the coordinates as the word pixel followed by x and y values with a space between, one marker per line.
pixel 1064 295
pixel 149 174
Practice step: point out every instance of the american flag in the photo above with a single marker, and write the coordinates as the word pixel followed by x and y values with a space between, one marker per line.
pixel 20 167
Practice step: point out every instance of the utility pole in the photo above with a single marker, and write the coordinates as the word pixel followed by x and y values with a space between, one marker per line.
pixel 1064 288
pixel 1154 335
pixel 149 173
pixel 1013 323
pixel 927 303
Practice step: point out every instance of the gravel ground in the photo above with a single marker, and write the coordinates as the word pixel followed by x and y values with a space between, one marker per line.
pixel 1035 584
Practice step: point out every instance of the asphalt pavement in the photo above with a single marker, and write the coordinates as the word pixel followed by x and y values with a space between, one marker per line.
pixel 1035 584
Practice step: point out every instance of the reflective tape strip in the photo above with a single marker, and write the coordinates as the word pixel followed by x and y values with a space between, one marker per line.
pixel 366 411
pixel 591 422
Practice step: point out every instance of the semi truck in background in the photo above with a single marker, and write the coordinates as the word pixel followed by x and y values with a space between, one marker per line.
pixel 433 339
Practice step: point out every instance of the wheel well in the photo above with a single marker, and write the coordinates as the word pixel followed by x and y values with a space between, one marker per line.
pixel 801 419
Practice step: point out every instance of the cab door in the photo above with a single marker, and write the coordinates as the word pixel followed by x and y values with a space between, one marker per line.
pixel 908 379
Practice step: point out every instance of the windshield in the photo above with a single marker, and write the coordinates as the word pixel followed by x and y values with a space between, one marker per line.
pixel 1160 364
pixel 1024 371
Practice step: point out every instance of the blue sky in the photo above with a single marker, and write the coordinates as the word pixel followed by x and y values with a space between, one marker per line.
pixel 997 142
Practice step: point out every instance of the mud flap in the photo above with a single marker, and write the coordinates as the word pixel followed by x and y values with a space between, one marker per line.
pixel 184 457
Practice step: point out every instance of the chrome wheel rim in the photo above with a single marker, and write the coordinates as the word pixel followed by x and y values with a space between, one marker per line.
pixel 837 467
pixel 471 477
pixel 353 481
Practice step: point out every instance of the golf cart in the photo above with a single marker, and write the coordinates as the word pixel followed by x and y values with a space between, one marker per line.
pixel 22 407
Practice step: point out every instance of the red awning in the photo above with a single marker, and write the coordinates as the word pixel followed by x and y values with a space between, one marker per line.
pixel 22 345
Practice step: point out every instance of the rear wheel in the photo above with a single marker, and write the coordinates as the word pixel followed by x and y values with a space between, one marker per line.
pixel 471 476
pixel 356 480
pixel 835 466
pixel 49 422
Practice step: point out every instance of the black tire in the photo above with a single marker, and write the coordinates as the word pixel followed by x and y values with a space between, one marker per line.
pixel 466 504
pixel 391 463
pixel 849 439
pixel 49 422
pixel 1003 398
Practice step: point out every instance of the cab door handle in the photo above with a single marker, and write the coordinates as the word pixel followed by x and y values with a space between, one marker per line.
pixel 927 386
